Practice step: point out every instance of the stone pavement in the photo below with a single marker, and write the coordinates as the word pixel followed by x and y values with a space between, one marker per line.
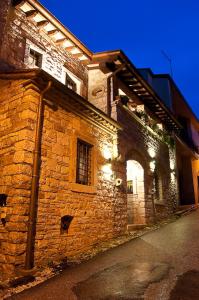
pixel 144 268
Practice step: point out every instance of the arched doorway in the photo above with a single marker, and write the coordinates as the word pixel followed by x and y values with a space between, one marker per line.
pixel 135 193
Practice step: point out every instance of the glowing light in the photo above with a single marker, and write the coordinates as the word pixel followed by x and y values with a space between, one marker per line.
pixel 152 165
pixel 134 170
pixel 172 177
pixel 107 170
pixel 172 165
pixel 107 152
pixel 151 152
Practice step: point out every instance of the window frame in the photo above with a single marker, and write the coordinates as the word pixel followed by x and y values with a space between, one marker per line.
pixel 37 57
pixel 73 185
pixel 83 164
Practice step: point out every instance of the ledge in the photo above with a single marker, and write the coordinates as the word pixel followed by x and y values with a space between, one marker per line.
pixel 80 188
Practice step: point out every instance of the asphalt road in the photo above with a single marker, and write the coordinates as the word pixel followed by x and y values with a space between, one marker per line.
pixel 161 265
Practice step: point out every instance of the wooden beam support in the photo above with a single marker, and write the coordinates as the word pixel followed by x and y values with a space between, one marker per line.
pixel 18 3
pixel 60 42
pixel 52 32
pixel 31 14
pixel 69 48
pixel 42 24
pixel 77 55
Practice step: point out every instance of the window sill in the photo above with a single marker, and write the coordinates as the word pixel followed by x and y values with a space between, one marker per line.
pixel 80 188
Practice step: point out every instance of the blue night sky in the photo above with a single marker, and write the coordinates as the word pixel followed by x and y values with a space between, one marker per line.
pixel 141 29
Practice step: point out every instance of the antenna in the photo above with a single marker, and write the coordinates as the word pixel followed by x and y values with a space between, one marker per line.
pixel 169 60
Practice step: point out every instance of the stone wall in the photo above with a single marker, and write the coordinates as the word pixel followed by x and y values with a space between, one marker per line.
pixel 20 32
pixel 16 145
pixel 98 211
pixel 134 142
pixel 97 93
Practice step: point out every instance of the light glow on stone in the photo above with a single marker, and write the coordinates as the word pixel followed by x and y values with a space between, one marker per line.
pixel 108 172
pixel 106 152
pixel 172 164
pixel 151 152
pixel 152 165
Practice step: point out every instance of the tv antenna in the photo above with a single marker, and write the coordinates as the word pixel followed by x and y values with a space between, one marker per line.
pixel 169 60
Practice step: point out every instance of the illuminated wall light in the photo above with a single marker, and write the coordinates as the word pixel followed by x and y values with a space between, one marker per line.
pixel 172 176
pixel 108 172
pixel 152 165
pixel 172 165
pixel 151 152
pixel 106 152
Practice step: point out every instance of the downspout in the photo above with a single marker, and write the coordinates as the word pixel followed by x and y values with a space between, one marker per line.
pixel 110 89
pixel 29 260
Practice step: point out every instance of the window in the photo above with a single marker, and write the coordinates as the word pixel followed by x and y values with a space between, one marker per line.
pixel 83 169
pixel 70 83
pixel 132 186
pixel 35 59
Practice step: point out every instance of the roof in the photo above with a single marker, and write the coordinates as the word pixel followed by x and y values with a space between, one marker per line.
pixel 172 82
pixel 136 83
pixel 43 19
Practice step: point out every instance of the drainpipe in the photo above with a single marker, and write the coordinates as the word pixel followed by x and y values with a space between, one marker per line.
pixel 29 260
pixel 110 88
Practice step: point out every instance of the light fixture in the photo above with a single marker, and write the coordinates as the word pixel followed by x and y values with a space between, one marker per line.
pixel 172 176
pixel 172 165
pixel 152 165
pixel 106 152
pixel 151 152
pixel 107 171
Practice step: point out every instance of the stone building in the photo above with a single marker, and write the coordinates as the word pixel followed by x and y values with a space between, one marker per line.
pixel 187 141
pixel 87 147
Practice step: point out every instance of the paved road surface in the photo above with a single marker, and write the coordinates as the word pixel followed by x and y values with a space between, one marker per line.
pixel 161 265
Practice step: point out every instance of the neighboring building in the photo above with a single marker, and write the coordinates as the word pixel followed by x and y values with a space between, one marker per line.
pixel 87 146
pixel 187 142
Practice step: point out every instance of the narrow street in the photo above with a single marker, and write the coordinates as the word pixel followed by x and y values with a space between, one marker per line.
pixel 161 265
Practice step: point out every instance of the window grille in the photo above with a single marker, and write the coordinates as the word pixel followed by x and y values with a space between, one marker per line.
pixel 83 170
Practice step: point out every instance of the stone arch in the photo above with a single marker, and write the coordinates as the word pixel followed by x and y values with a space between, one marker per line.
pixel 137 175
pixel 133 154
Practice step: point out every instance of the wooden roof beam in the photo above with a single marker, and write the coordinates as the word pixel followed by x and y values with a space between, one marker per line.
pixel 42 24
pixel 69 48
pixel 52 32
pixel 78 55
pixel 24 6
pixel 31 14
pixel 60 42
pixel 18 4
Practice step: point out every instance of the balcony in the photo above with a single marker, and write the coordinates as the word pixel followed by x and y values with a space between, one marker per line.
pixel 139 113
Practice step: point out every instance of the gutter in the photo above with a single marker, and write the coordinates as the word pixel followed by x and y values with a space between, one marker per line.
pixel 29 260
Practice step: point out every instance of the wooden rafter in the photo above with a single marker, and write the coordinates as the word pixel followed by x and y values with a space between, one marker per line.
pixel 52 32
pixel 42 24
pixel 60 41
pixel 31 14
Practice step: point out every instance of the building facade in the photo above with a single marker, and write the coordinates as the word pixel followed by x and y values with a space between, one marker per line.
pixel 87 146
pixel 187 142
